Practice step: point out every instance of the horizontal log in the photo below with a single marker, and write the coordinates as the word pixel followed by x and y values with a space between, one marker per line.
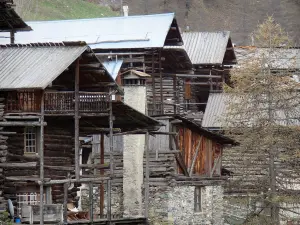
pixel 21 124
pixel 81 180
pixel 62 168
pixel 19 165
pixel 95 166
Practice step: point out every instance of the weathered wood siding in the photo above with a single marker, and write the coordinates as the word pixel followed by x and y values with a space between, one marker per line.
pixel 3 153
pixel 58 151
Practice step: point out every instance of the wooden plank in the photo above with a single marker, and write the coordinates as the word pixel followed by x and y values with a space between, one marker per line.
pixel 179 157
pixel 22 124
pixel 102 150
pixel 19 165
pixel 41 153
pixel 76 118
pixel 65 213
pixel 147 175
pixel 95 166
pixel 195 156
pixel 91 202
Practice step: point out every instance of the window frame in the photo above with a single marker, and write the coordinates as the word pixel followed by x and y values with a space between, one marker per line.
pixel 198 199
pixel 34 137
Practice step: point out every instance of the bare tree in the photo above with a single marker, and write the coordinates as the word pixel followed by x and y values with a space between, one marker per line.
pixel 263 115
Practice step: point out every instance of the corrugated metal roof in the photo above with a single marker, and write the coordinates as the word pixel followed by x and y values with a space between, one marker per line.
pixel 281 58
pixel 215 112
pixel 35 67
pixel 113 67
pixel 205 47
pixel 145 31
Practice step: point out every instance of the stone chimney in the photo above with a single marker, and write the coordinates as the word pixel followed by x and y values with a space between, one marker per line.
pixel 125 10
pixel 134 83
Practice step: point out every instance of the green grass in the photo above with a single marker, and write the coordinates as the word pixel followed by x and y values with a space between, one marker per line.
pixel 61 9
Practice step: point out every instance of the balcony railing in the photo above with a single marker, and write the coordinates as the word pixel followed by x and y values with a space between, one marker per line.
pixel 56 102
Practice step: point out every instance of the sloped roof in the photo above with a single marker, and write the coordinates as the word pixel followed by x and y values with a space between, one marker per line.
pixel 10 20
pixel 216 110
pixel 281 58
pixel 207 48
pixel 145 31
pixel 36 66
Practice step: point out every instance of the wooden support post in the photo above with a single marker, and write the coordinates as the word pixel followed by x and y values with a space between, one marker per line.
pixel 41 153
pixel 161 86
pixel 102 173
pixel 91 200
pixel 65 215
pixel 76 118
pixel 111 157
pixel 12 36
pixel 109 201
pixel 195 156
pixel 175 93
pixel 147 175
pixel 153 86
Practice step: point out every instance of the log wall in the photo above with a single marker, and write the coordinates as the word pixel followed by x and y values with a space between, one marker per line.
pixel 3 153
pixel 58 152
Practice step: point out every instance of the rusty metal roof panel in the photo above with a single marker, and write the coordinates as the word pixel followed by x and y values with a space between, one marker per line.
pixel 206 47
pixel 142 31
pixel 35 67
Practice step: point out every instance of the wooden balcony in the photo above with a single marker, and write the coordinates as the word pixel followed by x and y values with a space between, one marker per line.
pixel 56 102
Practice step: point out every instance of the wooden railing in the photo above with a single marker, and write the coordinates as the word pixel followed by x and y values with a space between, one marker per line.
pixel 56 102
pixel 64 102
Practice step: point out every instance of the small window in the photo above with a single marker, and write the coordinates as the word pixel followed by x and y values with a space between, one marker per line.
pixel 30 140
pixel 28 198
pixel 198 199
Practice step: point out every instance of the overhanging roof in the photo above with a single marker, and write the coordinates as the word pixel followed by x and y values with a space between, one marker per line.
pixel 208 48
pixel 10 20
pixel 126 118
pixel 206 133
pixel 36 66
pixel 144 31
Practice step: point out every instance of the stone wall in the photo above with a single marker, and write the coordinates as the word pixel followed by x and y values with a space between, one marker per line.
pixel 167 204
pixel 175 205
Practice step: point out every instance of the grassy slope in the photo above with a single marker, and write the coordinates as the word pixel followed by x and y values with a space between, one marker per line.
pixel 61 9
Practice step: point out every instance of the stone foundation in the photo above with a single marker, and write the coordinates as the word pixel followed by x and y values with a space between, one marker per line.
pixel 175 205
pixel 169 205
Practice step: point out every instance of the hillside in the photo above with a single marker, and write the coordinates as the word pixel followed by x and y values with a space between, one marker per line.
pixel 238 16
pixel 61 9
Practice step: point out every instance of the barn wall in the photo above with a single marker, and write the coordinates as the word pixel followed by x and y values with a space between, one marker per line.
pixel 58 151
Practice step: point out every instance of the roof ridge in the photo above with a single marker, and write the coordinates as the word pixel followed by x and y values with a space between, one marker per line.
pixel 47 44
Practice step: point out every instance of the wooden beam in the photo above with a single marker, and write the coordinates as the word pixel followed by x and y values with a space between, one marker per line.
pixel 19 165
pixel 179 157
pixel 65 213
pixel 81 180
pixel 41 153
pixel 96 166
pixel 195 156
pixel 22 124
pixel 102 151
pixel 76 121
pixel 61 168
pixel 147 175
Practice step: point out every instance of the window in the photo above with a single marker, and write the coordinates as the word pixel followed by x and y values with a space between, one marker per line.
pixel 198 199
pixel 30 140
pixel 27 198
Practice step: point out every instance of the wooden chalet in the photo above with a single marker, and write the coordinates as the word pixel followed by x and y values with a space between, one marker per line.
pixel 50 95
